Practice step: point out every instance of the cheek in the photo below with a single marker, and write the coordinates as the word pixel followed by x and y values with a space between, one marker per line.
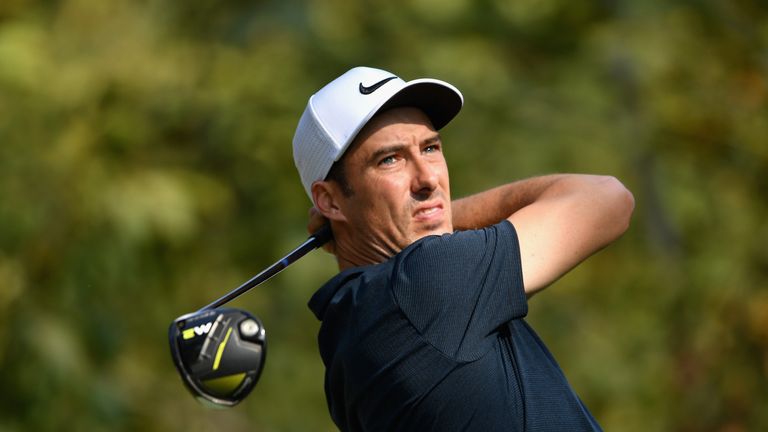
pixel 441 171
pixel 386 198
pixel 387 188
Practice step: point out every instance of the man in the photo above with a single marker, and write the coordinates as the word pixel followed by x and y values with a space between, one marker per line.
pixel 423 327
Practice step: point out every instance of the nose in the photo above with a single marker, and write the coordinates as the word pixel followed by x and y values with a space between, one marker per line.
pixel 424 179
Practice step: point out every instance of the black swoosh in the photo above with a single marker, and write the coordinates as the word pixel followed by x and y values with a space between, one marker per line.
pixel 368 90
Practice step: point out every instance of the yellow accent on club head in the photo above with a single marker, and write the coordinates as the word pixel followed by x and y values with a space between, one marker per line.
pixel 188 333
pixel 220 351
pixel 224 386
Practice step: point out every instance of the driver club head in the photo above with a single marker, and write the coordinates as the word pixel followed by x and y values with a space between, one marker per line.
pixel 219 353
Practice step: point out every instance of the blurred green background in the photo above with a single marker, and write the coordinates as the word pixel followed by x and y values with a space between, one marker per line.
pixel 145 169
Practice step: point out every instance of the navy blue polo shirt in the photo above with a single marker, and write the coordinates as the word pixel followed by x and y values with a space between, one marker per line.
pixel 434 340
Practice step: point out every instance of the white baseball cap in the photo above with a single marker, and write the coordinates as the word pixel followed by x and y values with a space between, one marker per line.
pixel 337 112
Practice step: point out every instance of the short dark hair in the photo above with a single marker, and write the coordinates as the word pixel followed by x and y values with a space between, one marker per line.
pixel 339 175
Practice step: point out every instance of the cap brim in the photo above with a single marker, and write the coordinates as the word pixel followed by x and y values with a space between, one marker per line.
pixel 440 101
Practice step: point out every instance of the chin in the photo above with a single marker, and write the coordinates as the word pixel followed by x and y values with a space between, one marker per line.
pixel 434 229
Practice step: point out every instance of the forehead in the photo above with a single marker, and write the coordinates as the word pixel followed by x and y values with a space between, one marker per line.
pixel 390 127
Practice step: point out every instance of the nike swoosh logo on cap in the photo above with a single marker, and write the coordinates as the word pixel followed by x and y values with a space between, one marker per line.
pixel 368 90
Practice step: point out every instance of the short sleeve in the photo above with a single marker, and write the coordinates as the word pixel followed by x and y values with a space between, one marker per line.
pixel 459 288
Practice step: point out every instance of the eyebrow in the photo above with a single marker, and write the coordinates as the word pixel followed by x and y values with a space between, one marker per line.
pixel 398 147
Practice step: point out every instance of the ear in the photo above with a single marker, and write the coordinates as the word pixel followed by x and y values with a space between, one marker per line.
pixel 328 199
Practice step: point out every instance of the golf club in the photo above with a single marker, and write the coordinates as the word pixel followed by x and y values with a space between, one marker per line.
pixel 220 352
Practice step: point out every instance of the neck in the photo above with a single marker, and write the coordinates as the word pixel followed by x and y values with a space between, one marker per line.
pixel 361 250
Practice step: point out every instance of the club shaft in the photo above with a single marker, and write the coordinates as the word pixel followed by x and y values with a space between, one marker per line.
pixel 319 238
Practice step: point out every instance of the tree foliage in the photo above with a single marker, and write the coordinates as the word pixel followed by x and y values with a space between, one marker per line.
pixel 145 169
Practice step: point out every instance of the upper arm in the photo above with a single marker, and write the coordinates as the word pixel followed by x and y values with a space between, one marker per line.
pixel 567 225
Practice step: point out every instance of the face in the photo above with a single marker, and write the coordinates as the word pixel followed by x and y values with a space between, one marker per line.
pixel 399 182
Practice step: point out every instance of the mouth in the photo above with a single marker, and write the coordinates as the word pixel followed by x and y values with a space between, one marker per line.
pixel 428 212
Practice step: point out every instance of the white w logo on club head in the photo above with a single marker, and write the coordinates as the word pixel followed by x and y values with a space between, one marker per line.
pixel 203 329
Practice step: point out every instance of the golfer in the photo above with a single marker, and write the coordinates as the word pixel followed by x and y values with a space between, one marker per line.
pixel 423 329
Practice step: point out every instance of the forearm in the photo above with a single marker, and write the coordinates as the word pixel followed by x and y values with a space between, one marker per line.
pixel 492 206
pixel 560 220
pixel 572 219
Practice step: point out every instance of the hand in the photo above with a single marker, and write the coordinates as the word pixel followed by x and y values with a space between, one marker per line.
pixel 316 221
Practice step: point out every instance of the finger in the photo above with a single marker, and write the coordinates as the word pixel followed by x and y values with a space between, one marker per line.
pixel 316 220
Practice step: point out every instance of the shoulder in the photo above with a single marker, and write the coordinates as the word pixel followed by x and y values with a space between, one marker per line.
pixel 456 289
pixel 459 246
pixel 441 265
pixel 347 283
pixel 502 230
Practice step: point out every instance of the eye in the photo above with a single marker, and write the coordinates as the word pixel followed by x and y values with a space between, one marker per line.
pixel 432 148
pixel 388 160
